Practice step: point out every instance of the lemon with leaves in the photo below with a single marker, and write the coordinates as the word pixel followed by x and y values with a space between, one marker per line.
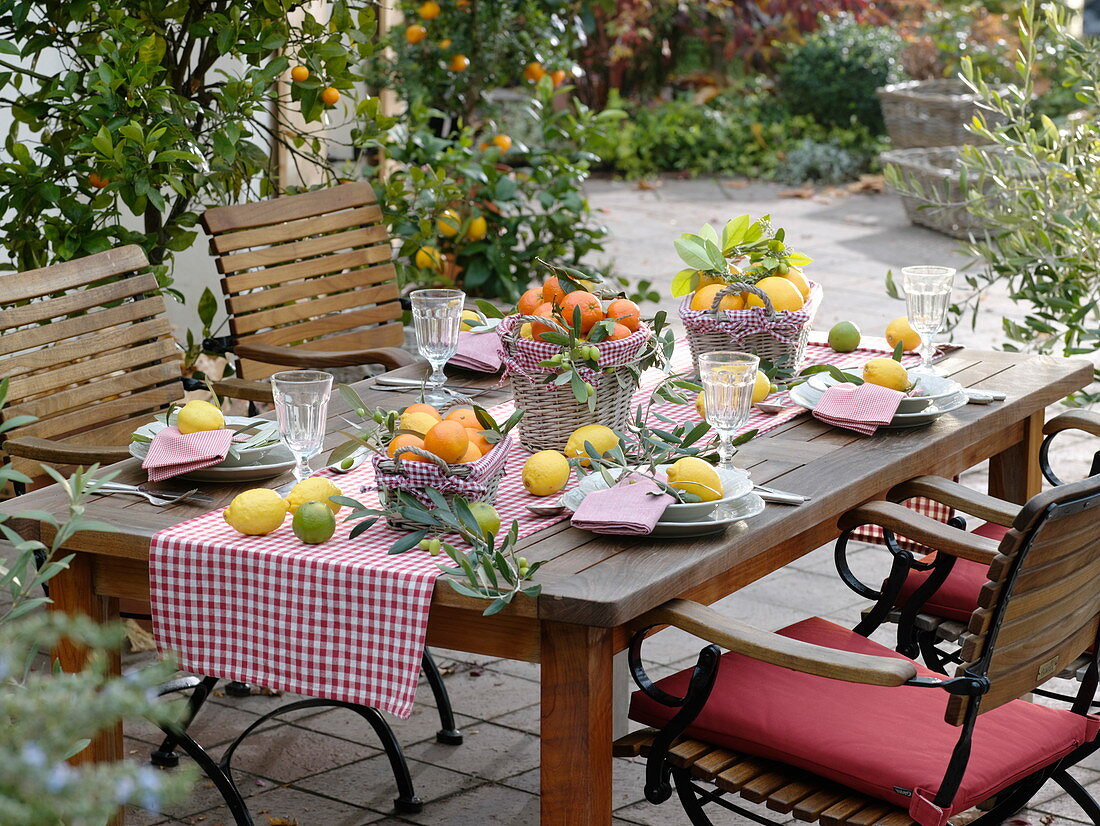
pixel 886 372
pixel 256 512
pixel 313 489
pixel 600 437
pixel 196 416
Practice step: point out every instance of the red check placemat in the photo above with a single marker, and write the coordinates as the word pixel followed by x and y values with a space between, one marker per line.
pixel 343 620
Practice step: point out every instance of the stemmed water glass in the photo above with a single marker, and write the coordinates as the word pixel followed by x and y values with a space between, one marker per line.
pixel 927 297
pixel 301 406
pixel 437 315
pixel 728 378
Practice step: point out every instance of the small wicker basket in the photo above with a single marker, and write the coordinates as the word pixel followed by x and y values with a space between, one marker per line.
pixel 937 172
pixel 762 331
pixel 929 113
pixel 551 412
pixel 476 481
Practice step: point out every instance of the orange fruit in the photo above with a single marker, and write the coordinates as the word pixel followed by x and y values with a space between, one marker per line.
pixel 406 440
pixel 530 301
pixel 546 311
pixel 552 290
pixel 533 71
pixel 590 307
pixel 415 33
pixel 472 455
pixel 463 4
pixel 503 142
pixel 429 10
pixel 299 74
pixel 558 76
pixel 619 331
pixel 448 441
pixel 459 63
pixel 421 407
pixel 97 181
pixel 445 44
pixel 464 416
pixel 626 312
pixel 477 438
pixel 329 96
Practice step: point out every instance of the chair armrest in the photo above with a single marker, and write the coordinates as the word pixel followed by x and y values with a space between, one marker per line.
pixel 922 529
pixel 251 391
pixel 981 505
pixel 389 357
pixel 778 650
pixel 1086 420
pixel 63 453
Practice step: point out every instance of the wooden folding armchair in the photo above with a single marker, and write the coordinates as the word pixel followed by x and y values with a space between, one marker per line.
pixel 932 605
pixel 822 723
pixel 308 281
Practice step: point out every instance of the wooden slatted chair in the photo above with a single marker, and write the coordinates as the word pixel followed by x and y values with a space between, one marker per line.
pixel 932 606
pixel 822 723
pixel 308 281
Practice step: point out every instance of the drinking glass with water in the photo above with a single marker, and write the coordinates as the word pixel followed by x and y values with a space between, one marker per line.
pixel 927 297
pixel 728 378
pixel 301 406
pixel 437 315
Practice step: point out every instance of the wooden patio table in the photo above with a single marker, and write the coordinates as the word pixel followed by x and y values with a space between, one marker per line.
pixel 594 586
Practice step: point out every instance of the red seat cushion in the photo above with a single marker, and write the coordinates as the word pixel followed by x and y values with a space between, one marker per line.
pixel 957 598
pixel 888 742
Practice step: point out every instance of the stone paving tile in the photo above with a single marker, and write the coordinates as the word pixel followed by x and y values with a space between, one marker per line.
pixel 524 719
pixel 287 753
pixel 369 783
pixel 487 804
pixel 1063 806
pixel 291 805
pixel 809 593
pixel 478 692
pixel 628 782
pixel 346 724
pixel 491 752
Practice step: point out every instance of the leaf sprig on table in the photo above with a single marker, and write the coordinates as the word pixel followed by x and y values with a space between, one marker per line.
pixel 490 570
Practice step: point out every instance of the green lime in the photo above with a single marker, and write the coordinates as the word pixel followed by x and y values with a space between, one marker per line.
pixel 487 517
pixel 314 523
pixel 844 337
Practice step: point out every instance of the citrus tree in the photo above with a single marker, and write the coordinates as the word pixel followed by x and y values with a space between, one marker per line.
pixel 130 116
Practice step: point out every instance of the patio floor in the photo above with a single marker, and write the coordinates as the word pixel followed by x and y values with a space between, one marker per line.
pixel 324 769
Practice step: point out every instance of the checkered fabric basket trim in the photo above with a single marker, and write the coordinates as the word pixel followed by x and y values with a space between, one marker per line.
pixel 522 355
pixel 471 481
pixel 785 327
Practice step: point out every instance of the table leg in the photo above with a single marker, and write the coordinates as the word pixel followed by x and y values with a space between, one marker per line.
pixel 73 592
pixel 1014 474
pixel 577 680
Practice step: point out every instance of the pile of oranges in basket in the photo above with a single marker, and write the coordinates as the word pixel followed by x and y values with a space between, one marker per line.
pixel 456 438
pixel 553 301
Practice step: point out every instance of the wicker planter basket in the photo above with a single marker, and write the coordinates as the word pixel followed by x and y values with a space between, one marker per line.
pixel 762 331
pixel 929 113
pixel 551 412
pixel 937 172
pixel 476 481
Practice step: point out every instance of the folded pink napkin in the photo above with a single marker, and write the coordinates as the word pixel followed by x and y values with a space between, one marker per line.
pixel 478 351
pixel 627 509
pixel 862 409
pixel 172 453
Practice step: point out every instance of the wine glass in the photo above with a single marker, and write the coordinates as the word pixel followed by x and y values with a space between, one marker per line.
pixel 728 378
pixel 301 406
pixel 927 297
pixel 437 315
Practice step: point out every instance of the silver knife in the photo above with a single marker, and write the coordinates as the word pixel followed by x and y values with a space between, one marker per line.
pixel 399 381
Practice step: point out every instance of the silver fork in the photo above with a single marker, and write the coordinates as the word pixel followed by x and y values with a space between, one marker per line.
pixel 153 499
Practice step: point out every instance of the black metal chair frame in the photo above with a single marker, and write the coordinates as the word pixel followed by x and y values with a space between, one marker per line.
pixel 662 775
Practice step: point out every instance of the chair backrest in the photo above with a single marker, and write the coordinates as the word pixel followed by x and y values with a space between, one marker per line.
pixel 311 269
pixel 1041 606
pixel 87 348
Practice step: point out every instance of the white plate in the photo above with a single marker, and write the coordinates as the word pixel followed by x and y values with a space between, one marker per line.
pixel 735 484
pixel 277 462
pixel 901 420
pixel 745 507
pixel 251 457
pixel 932 389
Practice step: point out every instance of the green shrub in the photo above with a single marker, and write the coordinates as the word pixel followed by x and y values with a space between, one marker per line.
pixel 832 75
pixel 820 162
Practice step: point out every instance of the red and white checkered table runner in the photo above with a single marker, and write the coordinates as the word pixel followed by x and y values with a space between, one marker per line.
pixel 343 620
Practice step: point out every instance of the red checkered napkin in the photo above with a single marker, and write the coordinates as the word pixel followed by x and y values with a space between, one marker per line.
pixel 478 351
pixel 863 409
pixel 172 453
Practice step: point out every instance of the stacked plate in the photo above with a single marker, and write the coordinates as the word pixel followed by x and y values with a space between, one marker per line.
pixel 688 518
pixel 932 397
pixel 267 458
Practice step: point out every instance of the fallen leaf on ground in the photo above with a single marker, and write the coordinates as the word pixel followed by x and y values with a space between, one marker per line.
pixel 646 184
pixel 139 638
pixel 868 183
pixel 801 192
pixel 738 184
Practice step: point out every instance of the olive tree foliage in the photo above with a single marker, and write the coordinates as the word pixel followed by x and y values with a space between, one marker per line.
pixel 157 109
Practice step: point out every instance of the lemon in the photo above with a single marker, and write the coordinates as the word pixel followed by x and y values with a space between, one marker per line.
pixel 545 473
pixel 761 387
pixel 314 522
pixel 844 337
pixel 704 298
pixel 783 293
pixel 477 229
pixel 428 258
pixel 198 415
pixel 256 512
pixel 470 319
pixel 701 404
pixel 602 438
pixel 795 276
pixel 487 517
pixel 692 475
pixel 886 372
pixel 525 331
pixel 418 422
pixel 313 489
pixel 449 223
pixel 899 330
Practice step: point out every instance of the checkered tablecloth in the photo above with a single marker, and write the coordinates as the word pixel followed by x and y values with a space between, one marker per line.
pixel 343 620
